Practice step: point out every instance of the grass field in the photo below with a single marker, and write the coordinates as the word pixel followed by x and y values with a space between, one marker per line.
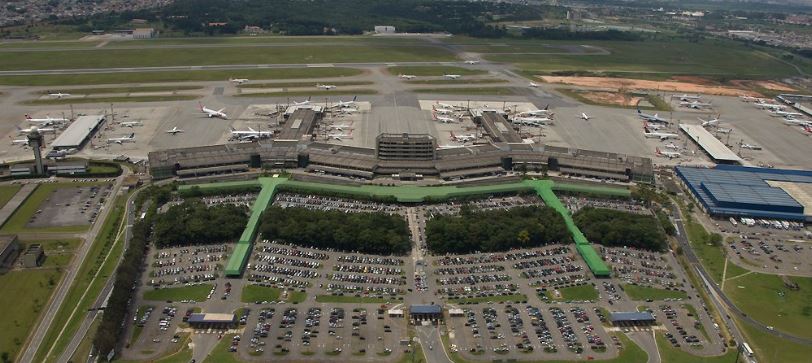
pixel 669 354
pixel 640 293
pixel 93 265
pixel 156 57
pixel 485 91
pixel 176 76
pixel 434 70
pixel 790 310
pixel 712 57
pixel 580 293
pixel 460 81
pixel 315 92
pixel 253 293
pixel 194 292
pixel 769 349
pixel 302 84
pixel 16 223
pixel 113 99
pixel 220 353
pixel 25 294
pixel 98 90
pixel 712 257
pixel 7 192
pixel 353 299
pixel 83 350
pixel 485 299
pixel 657 101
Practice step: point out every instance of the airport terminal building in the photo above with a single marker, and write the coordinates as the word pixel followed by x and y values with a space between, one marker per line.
pixel 738 191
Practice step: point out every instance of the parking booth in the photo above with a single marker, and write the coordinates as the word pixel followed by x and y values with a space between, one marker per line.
pixel 212 321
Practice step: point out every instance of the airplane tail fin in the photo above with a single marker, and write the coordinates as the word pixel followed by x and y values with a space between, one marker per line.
pixel 27 117
pixel 200 104
pixel 308 98
pixel 657 150
pixel 354 98
pixel 547 107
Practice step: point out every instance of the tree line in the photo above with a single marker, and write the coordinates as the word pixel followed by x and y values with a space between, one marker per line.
pixel 616 228
pixel 374 233
pixel 495 230
pixel 192 222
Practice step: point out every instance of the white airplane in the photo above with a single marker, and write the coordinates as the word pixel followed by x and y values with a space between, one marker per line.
pixel 671 146
pixel 771 106
pixel 34 128
pixel 442 111
pixel 407 76
pixel 339 137
pixel 751 146
pixel 131 124
pixel 584 116
pixel 346 111
pixel 533 120
pixel 340 127
pixel 687 97
pixel 56 154
pixel 724 131
pixel 659 135
pixel 342 104
pixel 749 98
pixel 533 85
pixel 325 86
pixel 59 94
pixel 175 130
pixel 694 104
pixel 213 113
pixel 786 113
pixel 654 127
pixel 250 134
pixel 21 142
pixel 711 122
pixel 667 154
pixel 542 112
pixel 443 119
pixel 305 102
pixel 452 76
pixel 794 121
pixel 238 80
pixel 472 62
pixel 48 120
pixel 121 140
pixel 463 138
pixel 651 118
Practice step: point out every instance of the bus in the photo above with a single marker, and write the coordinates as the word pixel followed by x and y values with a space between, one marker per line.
pixel 747 351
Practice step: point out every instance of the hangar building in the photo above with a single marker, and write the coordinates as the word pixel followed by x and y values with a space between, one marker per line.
pixel 739 191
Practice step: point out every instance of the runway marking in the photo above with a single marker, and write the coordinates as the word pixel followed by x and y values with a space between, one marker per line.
pixel 324 65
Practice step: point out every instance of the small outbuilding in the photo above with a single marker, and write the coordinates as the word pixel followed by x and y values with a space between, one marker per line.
pixel 418 313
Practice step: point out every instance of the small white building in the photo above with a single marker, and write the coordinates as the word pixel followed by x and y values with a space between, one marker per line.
pixel 456 313
pixel 384 29
pixel 395 313
pixel 144 33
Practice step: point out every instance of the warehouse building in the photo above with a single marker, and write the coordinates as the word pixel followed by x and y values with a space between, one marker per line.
pixel 9 250
pixel 751 192
pixel 78 133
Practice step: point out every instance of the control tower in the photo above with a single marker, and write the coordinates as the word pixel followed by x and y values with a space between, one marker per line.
pixel 35 140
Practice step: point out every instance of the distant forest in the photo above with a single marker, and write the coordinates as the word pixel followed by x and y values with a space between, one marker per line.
pixel 616 228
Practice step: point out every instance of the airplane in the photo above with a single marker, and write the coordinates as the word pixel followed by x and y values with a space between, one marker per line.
pixel 342 104
pixel 584 116
pixel 771 106
pixel 533 120
pixel 533 85
pixel 654 127
pixel 175 130
pixel 238 80
pixel 651 118
pixel 463 138
pixel 672 146
pixel 305 102
pixel 34 128
pixel 250 134
pixel 749 98
pixel 472 62
pixel 131 123
pixel 213 113
pixel 724 131
pixel 59 94
pixel 407 76
pixel 56 154
pixel 443 119
pixel 794 121
pixel 750 146
pixel 687 97
pixel 786 113
pixel 339 137
pixel 442 111
pixel 340 127
pixel 694 104
pixel 325 86
pixel 346 111
pixel 452 76
pixel 121 140
pixel 661 135
pixel 667 154
pixel 711 122
pixel 542 112
pixel 48 120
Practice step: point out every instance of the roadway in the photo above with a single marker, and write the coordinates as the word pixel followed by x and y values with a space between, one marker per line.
pixel 718 297
pixel 58 298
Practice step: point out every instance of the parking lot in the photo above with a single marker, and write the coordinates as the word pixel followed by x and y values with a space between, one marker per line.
pixel 71 206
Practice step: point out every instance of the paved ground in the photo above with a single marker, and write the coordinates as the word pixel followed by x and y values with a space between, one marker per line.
pixel 16 201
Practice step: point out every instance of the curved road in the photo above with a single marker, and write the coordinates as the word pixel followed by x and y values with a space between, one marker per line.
pixel 719 296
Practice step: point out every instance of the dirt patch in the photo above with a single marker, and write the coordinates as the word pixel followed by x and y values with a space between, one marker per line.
pixel 611 98
pixel 695 80
pixel 638 84
pixel 774 86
